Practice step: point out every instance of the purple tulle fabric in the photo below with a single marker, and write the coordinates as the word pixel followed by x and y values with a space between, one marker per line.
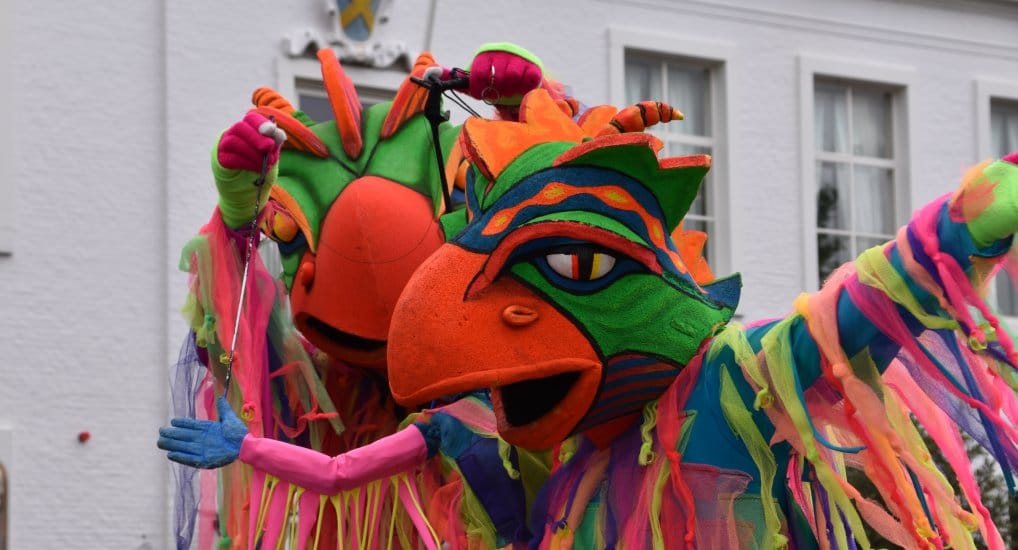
pixel 185 380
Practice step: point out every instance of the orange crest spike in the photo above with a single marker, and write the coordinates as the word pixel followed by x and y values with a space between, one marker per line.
pixel 345 104
pixel 690 244
pixel 493 144
pixel 593 120
pixel 639 117
pixel 569 105
pixel 298 136
pixel 410 98
pixel 267 97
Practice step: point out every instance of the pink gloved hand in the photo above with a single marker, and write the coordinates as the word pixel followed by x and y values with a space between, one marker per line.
pixel 502 73
pixel 237 165
pixel 244 144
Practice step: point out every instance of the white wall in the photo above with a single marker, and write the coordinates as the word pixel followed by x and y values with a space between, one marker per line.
pixel 117 104
pixel 83 293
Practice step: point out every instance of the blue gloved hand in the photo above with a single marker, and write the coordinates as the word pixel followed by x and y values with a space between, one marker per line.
pixel 204 443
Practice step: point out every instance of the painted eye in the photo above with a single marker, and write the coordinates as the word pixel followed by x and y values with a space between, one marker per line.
pixel 582 264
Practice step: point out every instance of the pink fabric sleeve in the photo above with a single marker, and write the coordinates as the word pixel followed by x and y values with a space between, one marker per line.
pixel 329 475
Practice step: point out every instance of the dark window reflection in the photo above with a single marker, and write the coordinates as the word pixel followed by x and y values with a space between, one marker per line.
pixel 316 107
pixel 4 499
pixel 1004 140
pixel 832 251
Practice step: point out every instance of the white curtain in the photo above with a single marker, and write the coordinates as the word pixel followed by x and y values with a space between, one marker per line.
pixel 851 196
pixel 1004 129
pixel 688 91
pixel 861 200
pixel 699 206
pixel 871 123
pixel 643 81
pixel 830 118
pixel 874 200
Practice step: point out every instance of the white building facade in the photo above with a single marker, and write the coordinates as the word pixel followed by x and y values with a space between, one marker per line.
pixel 829 123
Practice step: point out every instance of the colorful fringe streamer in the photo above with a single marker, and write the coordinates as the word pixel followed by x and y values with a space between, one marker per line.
pixel 897 344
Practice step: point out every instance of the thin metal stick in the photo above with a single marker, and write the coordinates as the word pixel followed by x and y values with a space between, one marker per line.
pixel 252 233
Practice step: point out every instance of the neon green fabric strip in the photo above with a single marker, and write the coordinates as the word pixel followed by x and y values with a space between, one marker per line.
pixel 237 192
pixel 778 351
pixel 875 270
pixel 741 421
pixel 514 49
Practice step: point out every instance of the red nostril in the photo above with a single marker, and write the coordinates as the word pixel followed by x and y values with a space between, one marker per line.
pixel 306 275
pixel 519 316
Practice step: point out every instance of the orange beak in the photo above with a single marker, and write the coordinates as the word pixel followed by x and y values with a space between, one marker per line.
pixel 542 370
pixel 374 236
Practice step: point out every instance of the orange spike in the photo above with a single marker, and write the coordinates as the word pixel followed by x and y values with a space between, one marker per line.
pixel 410 98
pixel 455 169
pixel 639 117
pixel 650 111
pixel 672 112
pixel 493 145
pixel 628 119
pixel 267 97
pixel 595 118
pixel 298 136
pixel 345 104
pixel 569 105
pixel 690 245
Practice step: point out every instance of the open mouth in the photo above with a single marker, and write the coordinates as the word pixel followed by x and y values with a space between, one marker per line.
pixel 341 338
pixel 527 401
pixel 538 413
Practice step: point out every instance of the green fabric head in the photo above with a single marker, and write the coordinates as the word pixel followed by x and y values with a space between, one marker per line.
pixel 565 293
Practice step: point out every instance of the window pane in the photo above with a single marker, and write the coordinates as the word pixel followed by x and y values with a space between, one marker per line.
pixel 690 224
pixel 699 206
pixel 316 107
pixel 830 118
pixel 688 92
pixel 643 81
pixel 832 251
pixel 676 149
pixel 871 123
pixel 1007 296
pixel 833 195
pixel 369 96
pixel 873 199
pixel 4 507
pixel 863 244
pixel 1004 127
pixel 685 85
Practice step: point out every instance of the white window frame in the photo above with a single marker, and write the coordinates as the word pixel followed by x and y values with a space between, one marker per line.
pixel 902 80
pixel 7 198
pixel 988 90
pixel 721 59
pixel 8 144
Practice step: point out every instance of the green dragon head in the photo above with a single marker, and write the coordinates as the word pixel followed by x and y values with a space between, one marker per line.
pixel 355 210
pixel 565 293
